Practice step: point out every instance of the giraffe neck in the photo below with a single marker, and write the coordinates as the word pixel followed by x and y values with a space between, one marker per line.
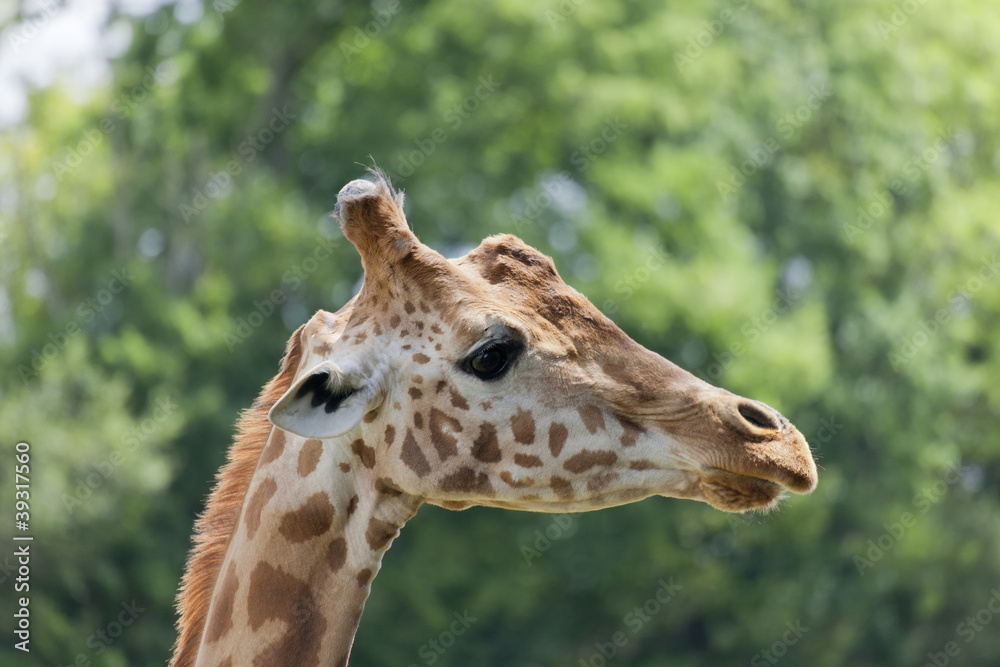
pixel 298 570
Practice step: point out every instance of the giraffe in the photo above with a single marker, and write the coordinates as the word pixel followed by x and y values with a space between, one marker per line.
pixel 484 380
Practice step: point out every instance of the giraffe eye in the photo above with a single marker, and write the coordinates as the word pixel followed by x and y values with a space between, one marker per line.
pixel 493 360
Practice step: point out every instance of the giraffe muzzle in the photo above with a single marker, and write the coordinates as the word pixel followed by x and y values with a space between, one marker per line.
pixel 762 455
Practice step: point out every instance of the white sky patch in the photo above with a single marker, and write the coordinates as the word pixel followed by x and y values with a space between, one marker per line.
pixel 60 41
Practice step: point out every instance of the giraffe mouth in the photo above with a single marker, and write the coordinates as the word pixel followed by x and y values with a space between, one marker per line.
pixel 737 492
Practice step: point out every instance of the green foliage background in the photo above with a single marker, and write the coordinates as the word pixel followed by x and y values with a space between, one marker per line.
pixel 868 137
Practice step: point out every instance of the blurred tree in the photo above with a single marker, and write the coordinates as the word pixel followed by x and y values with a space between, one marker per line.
pixel 795 202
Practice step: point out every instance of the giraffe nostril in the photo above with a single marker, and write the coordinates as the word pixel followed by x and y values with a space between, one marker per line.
pixel 757 416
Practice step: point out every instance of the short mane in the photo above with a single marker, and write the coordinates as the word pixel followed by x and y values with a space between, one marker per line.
pixel 216 524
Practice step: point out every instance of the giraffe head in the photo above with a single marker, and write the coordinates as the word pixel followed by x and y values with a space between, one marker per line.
pixel 487 380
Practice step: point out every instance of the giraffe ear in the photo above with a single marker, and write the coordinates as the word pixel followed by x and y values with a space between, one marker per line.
pixel 323 403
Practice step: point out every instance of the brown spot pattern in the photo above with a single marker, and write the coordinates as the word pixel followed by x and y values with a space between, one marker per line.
pixel 589 458
pixel 527 461
pixel 345 467
pixel 436 329
pixel 638 389
pixel 485 448
pixel 418 420
pixel 592 417
pixel 444 442
pixel 221 619
pixel 415 393
pixel 390 434
pixel 275 447
pixel 336 554
pixel 421 358
pixel 409 308
pixel 387 487
pixel 466 480
pixel 364 452
pixel 412 456
pixel 264 491
pixel 632 430
pixel 379 533
pixel 601 481
pixel 562 487
pixel 352 504
pixel 313 518
pixel 364 577
pixel 312 450
pixel 276 595
pixel 557 438
pixel 394 321
pixel 642 464
pixel 523 426
pixel 458 401
pixel 517 484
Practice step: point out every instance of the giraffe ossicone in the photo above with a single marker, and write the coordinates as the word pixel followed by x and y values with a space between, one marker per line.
pixel 483 380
